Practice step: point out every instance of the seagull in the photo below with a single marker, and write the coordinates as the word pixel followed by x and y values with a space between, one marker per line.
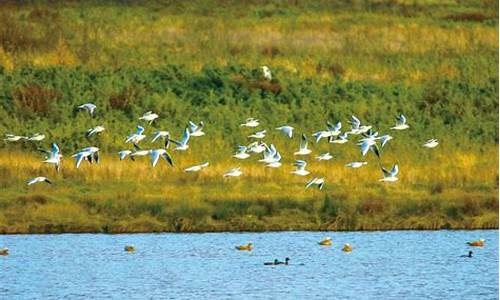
pixel 321 134
pixel 155 156
pixel 324 156
pixel 90 107
pixel 267 72
pixel 384 139
pixel 124 153
pixel 432 143
pixel 288 130
pixel 54 156
pixel 196 168
pixel 356 127
pixel 275 161
pixel 356 164
pixel 258 135
pixel 390 176
pixel 257 147
pixel 242 153
pixel 369 145
pixel 135 138
pixel 38 179
pixel 196 130
pixel 14 138
pixel 320 182
pixel 161 134
pixel 400 123
pixel 36 137
pixel 301 168
pixel 269 155
pixel 235 172
pixel 95 130
pixel 341 139
pixel 303 150
pixel 149 116
pixel 89 153
pixel 183 144
pixel 138 152
pixel 332 130
pixel 250 122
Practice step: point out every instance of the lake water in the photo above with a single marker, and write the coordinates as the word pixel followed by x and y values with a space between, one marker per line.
pixel 383 265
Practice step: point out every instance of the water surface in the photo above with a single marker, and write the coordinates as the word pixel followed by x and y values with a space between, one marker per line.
pixel 383 265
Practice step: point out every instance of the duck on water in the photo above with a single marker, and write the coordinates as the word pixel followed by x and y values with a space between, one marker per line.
pixel 277 262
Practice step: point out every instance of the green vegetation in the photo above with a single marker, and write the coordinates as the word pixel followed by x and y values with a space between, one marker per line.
pixel 436 62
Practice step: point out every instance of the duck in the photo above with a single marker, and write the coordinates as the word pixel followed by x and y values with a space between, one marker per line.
pixel 478 243
pixel 347 248
pixel 467 255
pixel 129 248
pixel 247 247
pixel 4 251
pixel 275 262
pixel 283 263
pixel 326 241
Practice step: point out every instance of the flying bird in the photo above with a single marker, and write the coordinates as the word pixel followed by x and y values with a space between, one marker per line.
pixel 250 122
pixel 196 168
pixel 182 145
pixel 400 123
pixel 165 135
pixel 196 129
pixel 242 153
pixel 432 143
pixel 149 117
pixel 324 156
pixel 258 135
pixel 320 182
pixel 356 164
pixel 95 130
pixel 390 176
pixel 14 138
pixel 235 172
pixel 303 150
pixel 53 156
pixel 287 130
pixel 301 168
pixel 157 153
pixel 90 107
pixel 36 137
pixel 135 138
pixel 39 180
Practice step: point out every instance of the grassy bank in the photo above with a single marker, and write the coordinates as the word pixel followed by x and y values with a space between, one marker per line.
pixel 434 61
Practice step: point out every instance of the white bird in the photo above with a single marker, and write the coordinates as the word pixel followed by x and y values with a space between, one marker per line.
pixel 321 134
pixel 400 123
pixel 257 147
pixel 182 145
pixel 124 153
pixel 196 168
pixel 341 139
pixel 356 127
pixel 334 129
pixel 288 130
pixel 303 150
pixel 369 145
pixel 250 122
pixel 235 172
pixel 90 107
pixel 356 164
pixel 149 116
pixel 258 135
pixel 390 176
pixel 157 153
pixel 384 139
pixel 95 130
pixel 196 130
pixel 135 138
pixel 324 156
pixel 165 135
pixel 242 153
pixel 274 161
pixel 36 137
pixel 14 138
pixel 38 179
pixel 89 153
pixel 432 143
pixel 266 72
pixel 301 168
pixel 320 182
pixel 54 156
pixel 269 154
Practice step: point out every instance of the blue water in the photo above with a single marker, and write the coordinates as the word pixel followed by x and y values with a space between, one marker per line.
pixel 383 265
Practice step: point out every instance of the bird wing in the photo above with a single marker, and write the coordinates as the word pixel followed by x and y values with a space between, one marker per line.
pixel 364 148
pixel 168 158
pixel 385 171
pixel 79 157
pixel 355 122
pixel 55 149
pixel 303 142
pixel 311 182
pixel 185 137
pixel 192 126
pixel 155 155
pixel 140 129
pixel 300 164
pixel 394 170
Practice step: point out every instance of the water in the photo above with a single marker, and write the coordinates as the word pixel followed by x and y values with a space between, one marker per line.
pixel 383 265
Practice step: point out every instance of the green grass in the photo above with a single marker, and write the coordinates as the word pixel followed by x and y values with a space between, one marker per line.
pixel 434 61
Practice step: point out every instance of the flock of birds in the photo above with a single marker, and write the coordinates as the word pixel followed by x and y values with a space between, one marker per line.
pixel 369 140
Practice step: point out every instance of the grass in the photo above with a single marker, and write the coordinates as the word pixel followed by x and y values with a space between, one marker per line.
pixel 434 61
